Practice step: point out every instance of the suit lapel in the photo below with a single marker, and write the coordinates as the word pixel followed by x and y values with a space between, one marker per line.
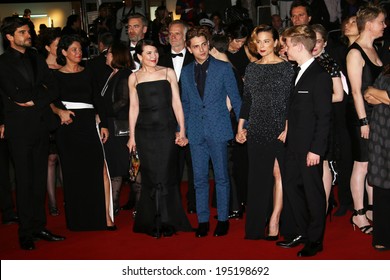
pixel 193 82
pixel 304 75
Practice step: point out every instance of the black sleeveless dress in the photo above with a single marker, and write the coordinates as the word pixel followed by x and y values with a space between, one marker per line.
pixel 160 203
pixel 370 73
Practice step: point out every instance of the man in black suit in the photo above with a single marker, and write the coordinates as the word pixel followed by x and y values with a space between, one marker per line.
pixel 177 58
pixel 27 89
pixel 308 126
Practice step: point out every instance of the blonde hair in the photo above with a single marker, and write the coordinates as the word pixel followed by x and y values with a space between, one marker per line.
pixel 366 14
pixel 301 34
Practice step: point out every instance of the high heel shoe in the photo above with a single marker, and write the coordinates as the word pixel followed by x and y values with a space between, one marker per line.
pixel 168 230
pixel 369 208
pixel 271 237
pixel 111 228
pixel 365 229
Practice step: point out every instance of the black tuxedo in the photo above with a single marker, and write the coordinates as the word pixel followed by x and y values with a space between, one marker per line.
pixel 26 77
pixel 184 154
pixel 309 118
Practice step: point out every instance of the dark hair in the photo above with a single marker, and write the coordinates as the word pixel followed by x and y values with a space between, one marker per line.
pixel 64 44
pixel 237 30
pixel 72 19
pixel 10 24
pixel 121 57
pixel 301 3
pixel 47 37
pixel 263 28
pixel 139 48
pixel 219 42
pixel 139 16
pixel 197 31
pixel 106 39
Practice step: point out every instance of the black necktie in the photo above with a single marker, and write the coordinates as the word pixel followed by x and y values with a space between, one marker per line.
pixel 176 54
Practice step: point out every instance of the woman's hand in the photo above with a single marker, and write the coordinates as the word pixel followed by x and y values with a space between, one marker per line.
pixel 241 136
pixel 365 131
pixel 26 104
pixel 131 144
pixel 104 134
pixel 282 136
pixel 65 116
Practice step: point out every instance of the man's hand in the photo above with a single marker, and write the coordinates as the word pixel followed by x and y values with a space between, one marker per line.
pixel 312 159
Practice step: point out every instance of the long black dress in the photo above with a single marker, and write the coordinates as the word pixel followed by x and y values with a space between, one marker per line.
pixel 265 108
pixel 160 204
pixel 81 154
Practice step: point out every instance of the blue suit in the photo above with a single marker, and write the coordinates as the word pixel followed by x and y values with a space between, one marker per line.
pixel 208 129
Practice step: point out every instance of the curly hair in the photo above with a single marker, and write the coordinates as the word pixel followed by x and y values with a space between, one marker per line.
pixel 64 44
pixel 263 28
pixel 197 31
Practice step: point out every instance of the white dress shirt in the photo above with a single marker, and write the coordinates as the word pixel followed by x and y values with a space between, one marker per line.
pixel 178 62
pixel 303 67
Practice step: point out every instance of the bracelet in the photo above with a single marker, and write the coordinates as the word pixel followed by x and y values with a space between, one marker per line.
pixel 363 121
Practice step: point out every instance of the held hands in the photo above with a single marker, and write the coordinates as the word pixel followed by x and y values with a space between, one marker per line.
pixel 181 139
pixel 104 134
pixel 65 116
pixel 241 136
pixel 312 159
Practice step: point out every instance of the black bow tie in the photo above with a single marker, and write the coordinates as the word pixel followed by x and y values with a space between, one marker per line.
pixel 176 54
pixel 132 48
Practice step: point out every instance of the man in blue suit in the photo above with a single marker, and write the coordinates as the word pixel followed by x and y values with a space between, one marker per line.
pixel 206 83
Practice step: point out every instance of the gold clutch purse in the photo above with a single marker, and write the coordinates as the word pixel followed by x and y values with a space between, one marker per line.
pixel 134 165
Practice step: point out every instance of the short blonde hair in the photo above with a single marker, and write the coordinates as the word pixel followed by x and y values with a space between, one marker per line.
pixel 366 14
pixel 301 34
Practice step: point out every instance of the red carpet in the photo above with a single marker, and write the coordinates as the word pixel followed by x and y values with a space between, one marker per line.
pixel 341 243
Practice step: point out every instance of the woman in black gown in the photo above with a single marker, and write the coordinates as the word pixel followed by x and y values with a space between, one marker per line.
pixel 116 99
pixel 264 107
pixel 154 105
pixel 86 184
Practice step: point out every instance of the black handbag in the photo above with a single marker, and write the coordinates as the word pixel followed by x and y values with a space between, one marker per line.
pixel 134 165
pixel 121 127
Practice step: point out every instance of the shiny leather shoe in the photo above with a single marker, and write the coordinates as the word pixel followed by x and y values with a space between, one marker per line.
pixel 202 229
pixel 222 228
pixel 26 244
pixel 310 249
pixel 237 215
pixel 291 242
pixel 47 236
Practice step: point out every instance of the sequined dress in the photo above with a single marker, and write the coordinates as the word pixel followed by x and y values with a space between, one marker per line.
pixel 267 89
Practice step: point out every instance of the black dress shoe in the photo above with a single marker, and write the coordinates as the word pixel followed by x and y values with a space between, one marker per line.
pixel 237 215
pixel 26 244
pixel 310 249
pixel 47 236
pixel 11 220
pixel 290 243
pixel 127 206
pixel 202 229
pixel 222 228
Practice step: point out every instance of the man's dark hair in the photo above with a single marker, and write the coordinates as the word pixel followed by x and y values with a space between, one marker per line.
pixel 197 31
pixel 106 39
pixel 10 24
pixel 301 3
pixel 219 42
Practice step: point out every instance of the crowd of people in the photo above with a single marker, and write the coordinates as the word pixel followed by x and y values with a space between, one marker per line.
pixel 283 111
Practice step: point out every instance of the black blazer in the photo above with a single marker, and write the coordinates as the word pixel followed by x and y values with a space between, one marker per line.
pixel 309 113
pixel 17 85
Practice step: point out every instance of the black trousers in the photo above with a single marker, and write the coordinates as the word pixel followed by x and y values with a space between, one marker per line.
pixel 6 201
pixel 305 192
pixel 381 214
pixel 30 155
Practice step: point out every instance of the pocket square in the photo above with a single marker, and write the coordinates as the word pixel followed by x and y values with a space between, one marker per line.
pixel 303 91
